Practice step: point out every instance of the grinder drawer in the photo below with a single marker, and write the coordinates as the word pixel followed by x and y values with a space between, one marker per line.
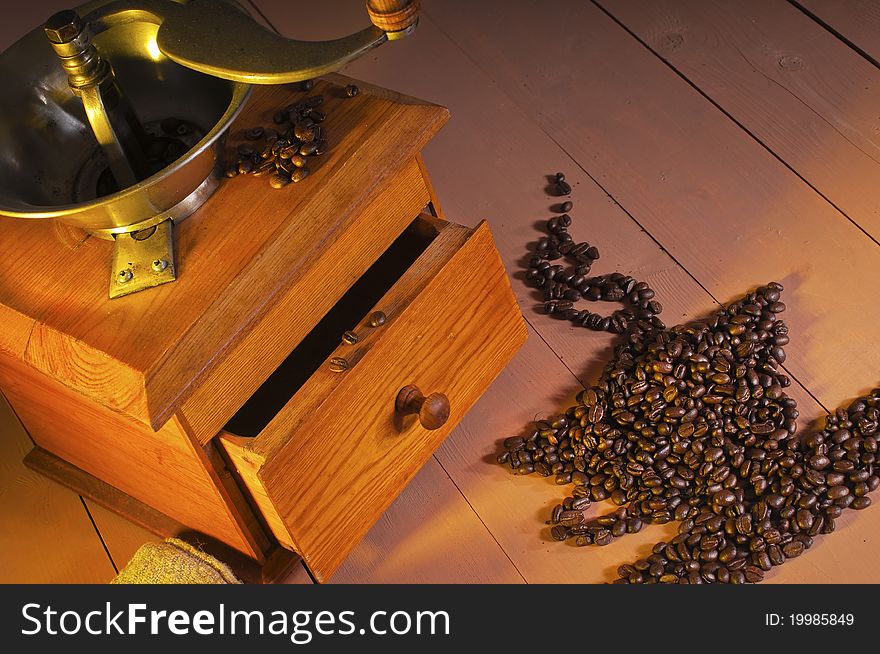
pixel 326 444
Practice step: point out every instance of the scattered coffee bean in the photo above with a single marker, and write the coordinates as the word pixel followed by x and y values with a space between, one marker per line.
pixel 563 187
pixel 279 180
pixel 351 90
pixel 283 154
pixel 693 423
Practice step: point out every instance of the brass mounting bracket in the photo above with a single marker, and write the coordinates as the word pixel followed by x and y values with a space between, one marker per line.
pixel 143 259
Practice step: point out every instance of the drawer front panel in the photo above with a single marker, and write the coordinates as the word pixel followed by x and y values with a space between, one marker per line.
pixel 344 461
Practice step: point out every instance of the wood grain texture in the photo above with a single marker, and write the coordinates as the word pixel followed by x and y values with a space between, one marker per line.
pixel 857 21
pixel 285 323
pixel 240 253
pixel 726 209
pixel 801 91
pixel 121 536
pixel 460 330
pixel 246 463
pixel 514 508
pixel 687 170
pixel 164 469
pixel 45 532
pixel 429 535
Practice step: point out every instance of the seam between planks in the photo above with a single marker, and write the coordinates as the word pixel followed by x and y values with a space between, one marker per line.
pixel 730 116
pixel 98 532
pixel 259 11
pixel 529 117
pixel 834 32
pixel 464 497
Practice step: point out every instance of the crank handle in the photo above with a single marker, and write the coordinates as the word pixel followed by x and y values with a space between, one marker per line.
pixel 213 37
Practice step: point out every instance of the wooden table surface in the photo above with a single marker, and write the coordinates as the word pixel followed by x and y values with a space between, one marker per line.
pixel 712 145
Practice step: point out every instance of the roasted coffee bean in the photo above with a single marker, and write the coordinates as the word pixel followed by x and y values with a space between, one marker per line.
pixel 693 424
pixel 753 574
pixel 793 549
pixel 860 503
pixel 351 90
pixel 299 174
pixel 285 152
pixel 265 168
pixel 558 532
pixel 279 180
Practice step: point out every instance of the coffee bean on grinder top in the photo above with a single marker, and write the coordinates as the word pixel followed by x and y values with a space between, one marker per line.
pixel 282 154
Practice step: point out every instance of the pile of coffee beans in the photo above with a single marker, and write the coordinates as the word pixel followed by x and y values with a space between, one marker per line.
pixel 693 424
pixel 283 153
pixel 562 287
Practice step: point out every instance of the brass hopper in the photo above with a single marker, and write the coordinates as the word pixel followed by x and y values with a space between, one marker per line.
pixel 88 96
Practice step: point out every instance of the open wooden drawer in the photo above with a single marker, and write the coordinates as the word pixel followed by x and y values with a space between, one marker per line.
pixel 323 452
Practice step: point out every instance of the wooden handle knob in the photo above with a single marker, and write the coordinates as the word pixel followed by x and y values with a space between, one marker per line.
pixel 433 410
pixel 393 15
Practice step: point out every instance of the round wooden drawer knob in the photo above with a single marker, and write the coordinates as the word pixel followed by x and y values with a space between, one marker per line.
pixel 433 411
pixel 393 15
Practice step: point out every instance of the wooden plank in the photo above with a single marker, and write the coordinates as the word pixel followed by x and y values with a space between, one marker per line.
pixel 725 208
pixel 158 468
pixel 121 536
pixel 646 130
pixel 797 88
pixel 45 532
pixel 857 21
pixel 146 517
pixel 494 175
pixel 429 535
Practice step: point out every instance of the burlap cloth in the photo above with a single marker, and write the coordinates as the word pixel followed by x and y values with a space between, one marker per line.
pixel 174 562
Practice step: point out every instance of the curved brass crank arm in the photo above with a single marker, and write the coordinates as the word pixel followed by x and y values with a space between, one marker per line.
pixel 212 37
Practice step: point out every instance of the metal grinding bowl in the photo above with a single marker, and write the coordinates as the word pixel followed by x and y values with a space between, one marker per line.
pixel 87 99
pixel 50 161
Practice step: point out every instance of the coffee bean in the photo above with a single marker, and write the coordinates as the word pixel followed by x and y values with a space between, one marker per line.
pixel 299 174
pixel 793 549
pixel 694 424
pixel 860 503
pixel 753 574
pixel 351 90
